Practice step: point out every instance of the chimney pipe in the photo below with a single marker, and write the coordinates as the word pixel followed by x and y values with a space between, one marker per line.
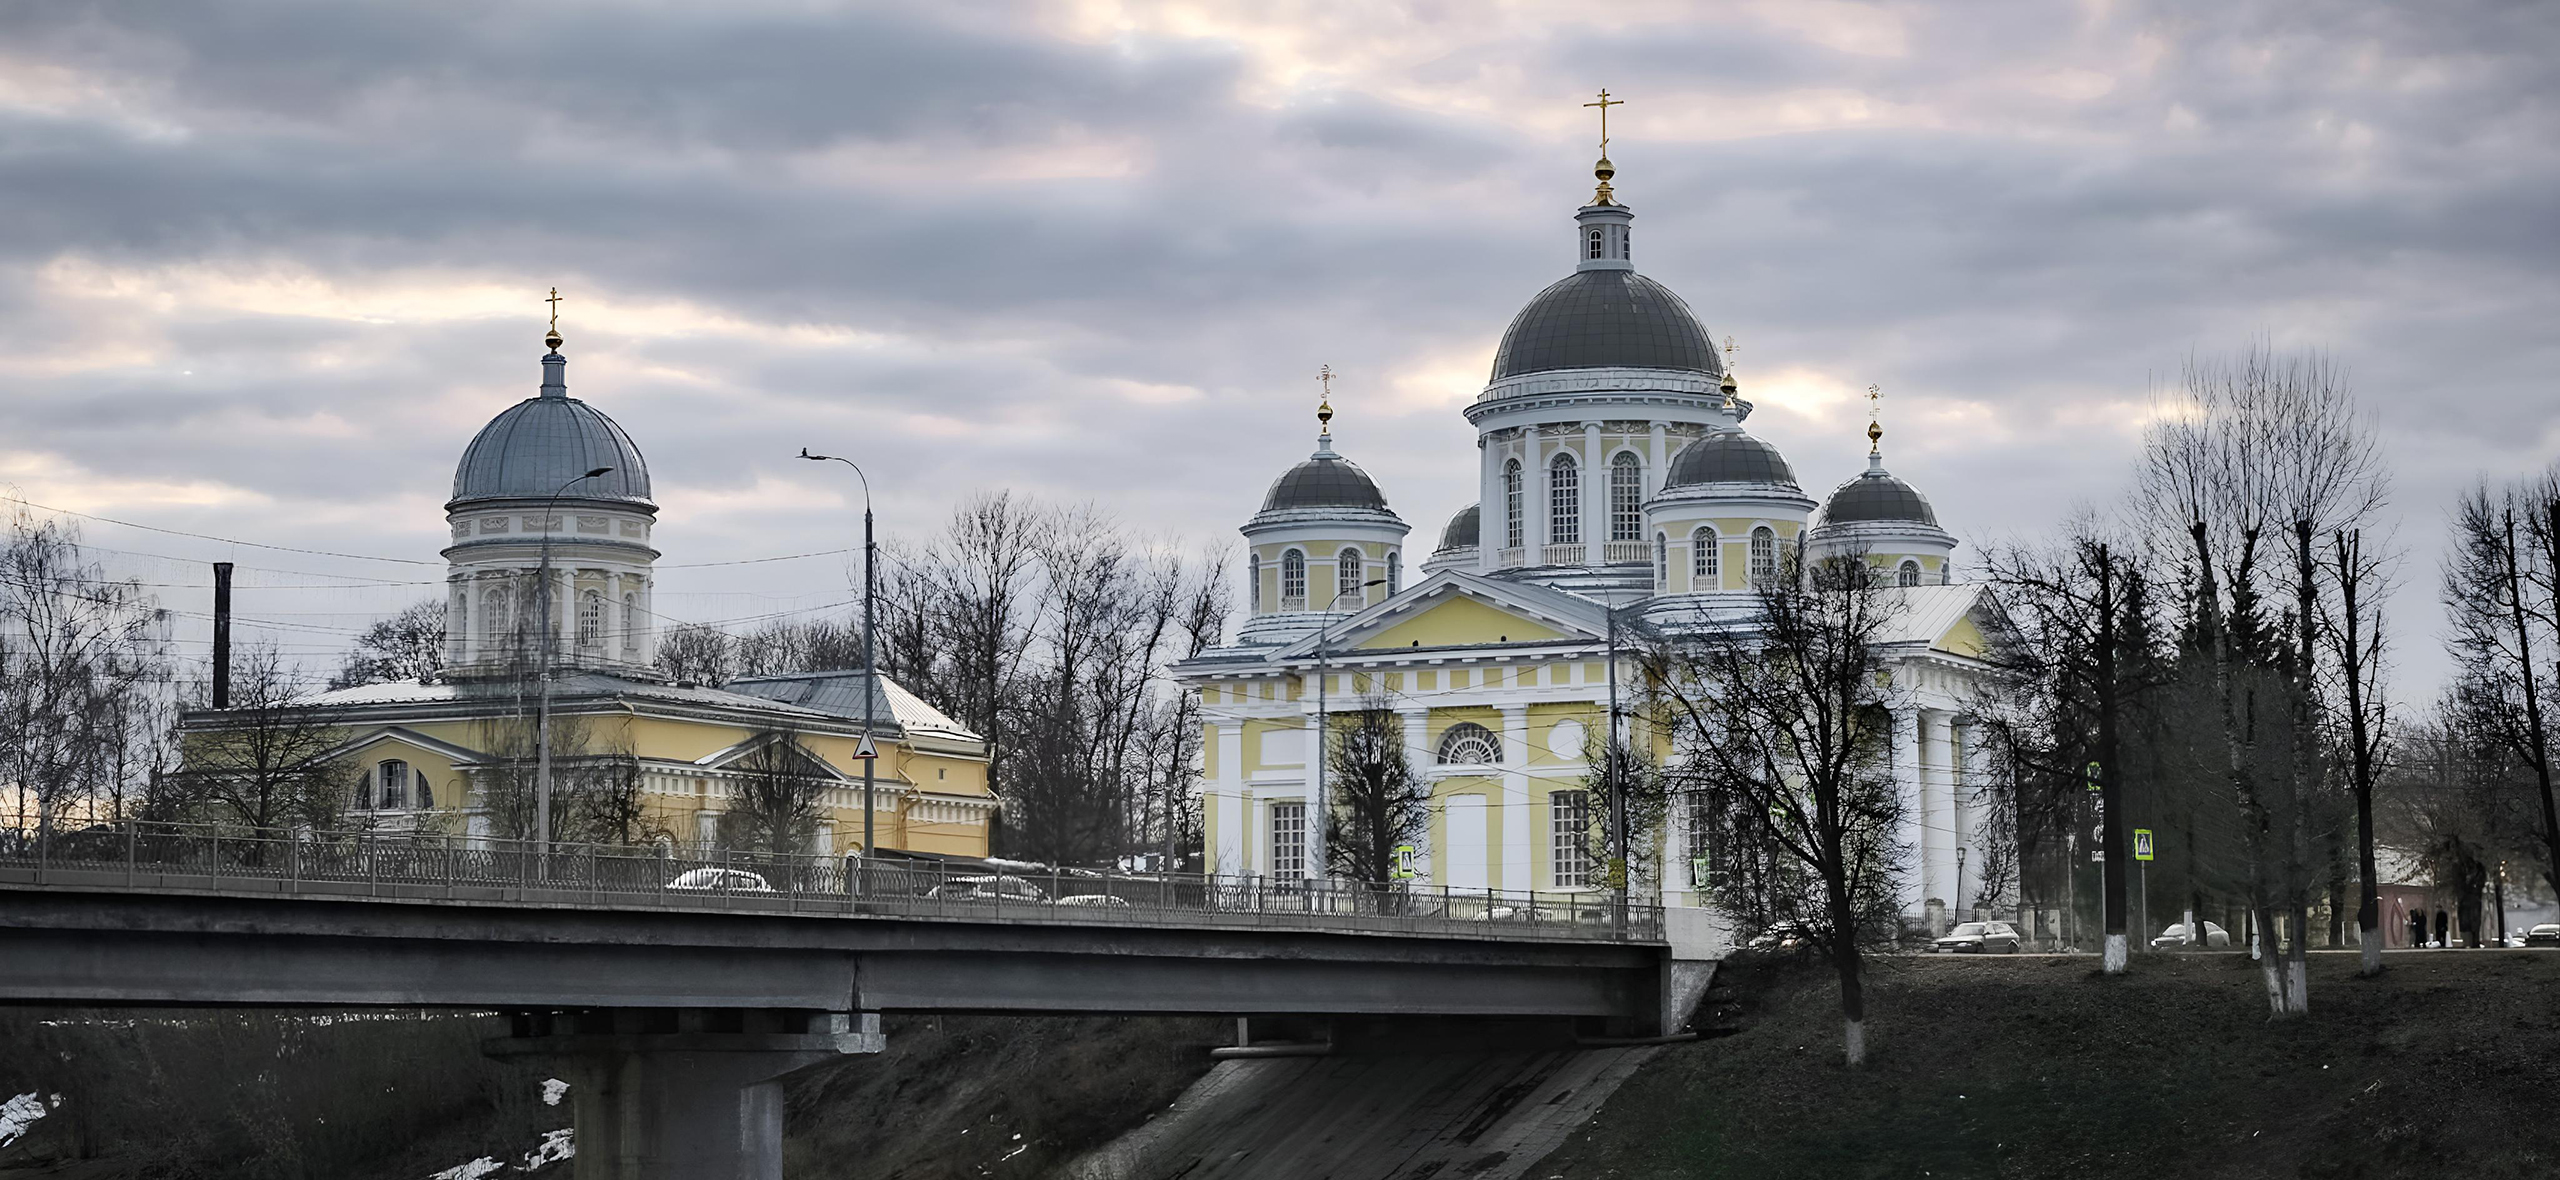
pixel 222 635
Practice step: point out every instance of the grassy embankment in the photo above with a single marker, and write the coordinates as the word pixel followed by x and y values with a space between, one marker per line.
pixel 262 1096
pixel 2446 1065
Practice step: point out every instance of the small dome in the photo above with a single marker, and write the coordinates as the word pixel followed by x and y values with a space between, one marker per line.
pixel 1876 496
pixel 542 442
pixel 1603 318
pixel 1729 457
pixel 1465 530
pixel 1325 481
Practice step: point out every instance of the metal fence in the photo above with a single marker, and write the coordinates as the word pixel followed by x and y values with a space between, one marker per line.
pixel 429 867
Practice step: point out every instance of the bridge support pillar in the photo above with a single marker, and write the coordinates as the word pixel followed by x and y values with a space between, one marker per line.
pixel 683 1094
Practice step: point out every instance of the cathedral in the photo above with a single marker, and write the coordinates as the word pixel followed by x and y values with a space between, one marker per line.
pixel 554 490
pixel 1615 481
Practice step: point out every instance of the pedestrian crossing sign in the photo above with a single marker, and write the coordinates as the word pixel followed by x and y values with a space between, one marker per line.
pixel 2142 844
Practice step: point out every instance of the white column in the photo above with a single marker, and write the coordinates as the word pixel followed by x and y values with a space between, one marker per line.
pixel 1534 500
pixel 1973 772
pixel 1653 472
pixel 1906 785
pixel 1417 727
pixel 1489 529
pixel 1937 781
pixel 1595 495
pixel 1228 852
pixel 1517 822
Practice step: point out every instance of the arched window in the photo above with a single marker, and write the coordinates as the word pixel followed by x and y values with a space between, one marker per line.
pixel 395 784
pixel 590 621
pixel 1627 242
pixel 1347 578
pixel 1764 554
pixel 501 600
pixel 1469 744
pixel 1595 242
pixel 1626 498
pixel 630 622
pixel 1703 570
pixel 1511 503
pixel 1293 580
pixel 1253 581
pixel 459 624
pixel 1395 573
pixel 1908 575
pixel 1564 502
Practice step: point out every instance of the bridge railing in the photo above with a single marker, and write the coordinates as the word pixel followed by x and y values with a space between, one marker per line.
pixel 426 866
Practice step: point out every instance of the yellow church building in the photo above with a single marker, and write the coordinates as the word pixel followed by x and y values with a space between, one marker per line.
pixel 553 488
pixel 1616 482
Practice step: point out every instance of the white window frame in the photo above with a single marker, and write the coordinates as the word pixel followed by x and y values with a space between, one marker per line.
pixel 1289 840
pixel 1706 558
pixel 1568 822
pixel 1350 569
pixel 1253 581
pixel 1907 574
pixel 1626 497
pixel 1467 737
pixel 1564 500
pixel 1764 554
pixel 1293 568
pixel 1512 525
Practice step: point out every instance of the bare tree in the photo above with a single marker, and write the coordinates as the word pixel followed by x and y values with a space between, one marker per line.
pixel 1785 727
pixel 2502 593
pixel 1379 803
pixel 698 654
pixel 407 646
pixel 76 670
pixel 776 808
pixel 2355 637
pixel 268 762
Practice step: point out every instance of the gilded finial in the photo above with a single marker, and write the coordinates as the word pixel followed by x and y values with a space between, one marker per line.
pixel 1324 409
pixel 552 338
pixel 1604 171
pixel 1875 427
pixel 1728 384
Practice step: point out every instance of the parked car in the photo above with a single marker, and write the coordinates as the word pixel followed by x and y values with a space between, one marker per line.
pixel 994 887
pixel 1095 901
pixel 2546 934
pixel 2176 937
pixel 1977 938
pixel 719 881
pixel 1780 936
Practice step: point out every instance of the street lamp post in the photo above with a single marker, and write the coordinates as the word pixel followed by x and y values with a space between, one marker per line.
pixel 1320 816
pixel 542 718
pixel 870 669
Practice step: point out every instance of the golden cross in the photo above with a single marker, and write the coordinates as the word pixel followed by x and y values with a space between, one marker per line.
pixel 1875 428
pixel 1325 374
pixel 1604 104
pixel 554 301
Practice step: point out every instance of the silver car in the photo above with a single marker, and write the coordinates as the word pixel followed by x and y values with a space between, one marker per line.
pixel 1977 938
pixel 2176 937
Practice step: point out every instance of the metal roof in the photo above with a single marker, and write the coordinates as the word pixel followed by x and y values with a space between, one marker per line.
pixel 1728 457
pixel 533 447
pixel 1465 530
pixel 839 694
pixel 1324 481
pixel 1605 318
pixel 1876 496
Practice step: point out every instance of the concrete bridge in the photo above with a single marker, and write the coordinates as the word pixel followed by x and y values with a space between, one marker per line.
pixel 675 994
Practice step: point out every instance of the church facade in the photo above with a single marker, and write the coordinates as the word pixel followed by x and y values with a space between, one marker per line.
pixel 554 490
pixel 1616 481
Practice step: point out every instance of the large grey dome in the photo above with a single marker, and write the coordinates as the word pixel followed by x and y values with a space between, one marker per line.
pixel 1876 496
pixel 1729 457
pixel 1603 318
pixel 1326 480
pixel 1465 530
pixel 543 442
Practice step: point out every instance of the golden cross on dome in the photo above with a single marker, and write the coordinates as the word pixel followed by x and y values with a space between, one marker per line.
pixel 1604 104
pixel 1324 409
pixel 553 338
pixel 1875 410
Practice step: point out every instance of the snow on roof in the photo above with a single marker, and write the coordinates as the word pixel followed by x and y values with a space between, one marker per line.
pixel 1924 613
pixel 839 694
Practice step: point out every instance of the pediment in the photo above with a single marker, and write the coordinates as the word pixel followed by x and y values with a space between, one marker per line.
pixel 1455 609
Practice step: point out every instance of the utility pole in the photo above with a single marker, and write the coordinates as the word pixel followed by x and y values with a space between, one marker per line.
pixel 870 666
pixel 542 722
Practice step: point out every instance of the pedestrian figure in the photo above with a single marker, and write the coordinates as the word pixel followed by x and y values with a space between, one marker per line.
pixel 2417 929
pixel 2441 928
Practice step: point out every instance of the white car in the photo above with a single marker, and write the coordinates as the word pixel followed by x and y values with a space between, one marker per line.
pixel 997 887
pixel 718 881
pixel 1095 901
pixel 2176 937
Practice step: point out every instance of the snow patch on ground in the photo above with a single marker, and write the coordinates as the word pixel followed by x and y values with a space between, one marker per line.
pixel 552 1089
pixel 20 1113
pixel 470 1171
pixel 556 1146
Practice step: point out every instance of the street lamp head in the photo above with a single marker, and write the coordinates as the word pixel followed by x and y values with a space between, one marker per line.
pixel 598 471
pixel 804 453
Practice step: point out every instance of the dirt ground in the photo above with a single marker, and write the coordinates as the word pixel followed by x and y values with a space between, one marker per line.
pixel 2448 1065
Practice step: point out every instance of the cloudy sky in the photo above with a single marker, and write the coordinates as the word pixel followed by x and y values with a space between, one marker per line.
pixel 265 267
